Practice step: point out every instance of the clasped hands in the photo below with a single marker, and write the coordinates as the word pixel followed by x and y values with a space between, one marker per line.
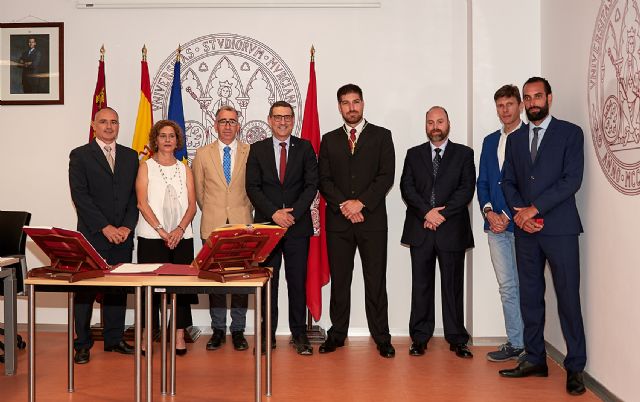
pixel 352 210
pixel 171 239
pixel 116 235
pixel 497 222
pixel 433 218
pixel 283 217
pixel 524 219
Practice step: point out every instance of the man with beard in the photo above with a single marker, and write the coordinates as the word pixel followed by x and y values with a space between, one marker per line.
pixel 357 165
pixel 542 172
pixel 437 184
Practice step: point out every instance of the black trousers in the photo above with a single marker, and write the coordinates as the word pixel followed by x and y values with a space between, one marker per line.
pixel 341 248
pixel 155 251
pixel 114 305
pixel 423 269
pixel 295 251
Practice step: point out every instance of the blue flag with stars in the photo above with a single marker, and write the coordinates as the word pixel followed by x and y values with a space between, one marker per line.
pixel 176 112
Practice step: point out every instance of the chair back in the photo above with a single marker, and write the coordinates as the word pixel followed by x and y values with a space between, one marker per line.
pixel 13 241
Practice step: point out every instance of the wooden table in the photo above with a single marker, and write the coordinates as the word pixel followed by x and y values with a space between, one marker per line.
pixel 163 284
pixel 8 277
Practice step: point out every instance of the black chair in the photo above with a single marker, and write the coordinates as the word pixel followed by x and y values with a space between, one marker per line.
pixel 12 244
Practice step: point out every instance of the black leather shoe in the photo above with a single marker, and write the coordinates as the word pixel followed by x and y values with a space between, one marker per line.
pixel 330 345
pixel 217 339
pixel 239 341
pixel 526 369
pixel 462 350
pixel 82 356
pixel 122 347
pixel 386 349
pixel 302 345
pixel 181 352
pixel 417 348
pixel 575 383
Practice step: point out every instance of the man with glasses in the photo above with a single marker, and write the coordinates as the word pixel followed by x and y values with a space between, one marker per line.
pixel 219 174
pixel 282 181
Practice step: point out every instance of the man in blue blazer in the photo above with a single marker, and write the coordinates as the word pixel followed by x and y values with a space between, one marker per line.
pixel 498 222
pixel 282 182
pixel 102 177
pixel 437 184
pixel 542 172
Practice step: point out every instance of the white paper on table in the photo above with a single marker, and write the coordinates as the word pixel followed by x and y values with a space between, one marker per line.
pixel 136 268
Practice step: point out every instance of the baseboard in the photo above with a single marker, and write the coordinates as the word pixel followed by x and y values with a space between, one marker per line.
pixel 591 383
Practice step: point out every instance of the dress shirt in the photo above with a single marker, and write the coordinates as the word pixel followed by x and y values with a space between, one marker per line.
pixel 442 147
pixel 543 126
pixel 277 149
pixel 234 148
pixel 359 127
pixel 102 144
pixel 502 144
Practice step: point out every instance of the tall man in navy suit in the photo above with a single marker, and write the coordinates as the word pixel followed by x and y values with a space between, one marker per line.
pixel 437 184
pixel 357 165
pixel 282 182
pixel 542 172
pixel 499 221
pixel 102 178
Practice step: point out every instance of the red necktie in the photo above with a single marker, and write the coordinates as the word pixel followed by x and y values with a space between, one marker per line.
pixel 283 160
pixel 352 140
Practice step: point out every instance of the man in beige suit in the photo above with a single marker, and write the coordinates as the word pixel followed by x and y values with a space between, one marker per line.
pixel 219 173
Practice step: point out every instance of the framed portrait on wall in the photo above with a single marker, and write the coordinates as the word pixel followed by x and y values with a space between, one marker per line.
pixel 32 63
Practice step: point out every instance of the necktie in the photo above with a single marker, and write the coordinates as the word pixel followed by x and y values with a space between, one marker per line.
pixel 283 160
pixel 112 163
pixel 226 163
pixel 534 143
pixel 352 140
pixel 436 165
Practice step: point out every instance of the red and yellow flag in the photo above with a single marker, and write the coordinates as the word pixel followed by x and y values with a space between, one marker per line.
pixel 144 121
pixel 99 100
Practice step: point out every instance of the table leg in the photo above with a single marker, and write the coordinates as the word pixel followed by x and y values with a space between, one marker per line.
pixel 32 343
pixel 173 344
pixel 70 331
pixel 149 333
pixel 258 337
pixel 138 343
pixel 163 342
pixel 269 335
pixel 10 313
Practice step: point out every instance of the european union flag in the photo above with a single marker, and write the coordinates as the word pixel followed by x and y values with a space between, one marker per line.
pixel 176 112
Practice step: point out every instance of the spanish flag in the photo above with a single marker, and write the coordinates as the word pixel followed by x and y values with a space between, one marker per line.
pixel 99 100
pixel 144 121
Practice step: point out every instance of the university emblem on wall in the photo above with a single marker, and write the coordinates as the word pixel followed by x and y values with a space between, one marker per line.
pixel 226 69
pixel 614 93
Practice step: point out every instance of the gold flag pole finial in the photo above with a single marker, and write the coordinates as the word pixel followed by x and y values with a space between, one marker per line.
pixel 144 52
pixel 102 52
pixel 313 54
pixel 178 53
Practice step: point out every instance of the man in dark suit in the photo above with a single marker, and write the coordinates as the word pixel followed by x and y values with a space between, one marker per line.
pixel 357 165
pixel 542 172
pixel 102 179
pixel 437 184
pixel 282 182
pixel 31 63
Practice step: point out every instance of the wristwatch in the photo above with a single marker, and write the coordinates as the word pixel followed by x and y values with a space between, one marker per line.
pixel 486 210
pixel 158 227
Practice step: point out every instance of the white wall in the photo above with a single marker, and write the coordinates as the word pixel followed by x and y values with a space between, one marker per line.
pixel 406 55
pixel 609 255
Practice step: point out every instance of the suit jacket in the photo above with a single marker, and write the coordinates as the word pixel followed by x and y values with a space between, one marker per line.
pixel 367 175
pixel 551 181
pixel 102 197
pixel 298 191
pixel 489 178
pixel 454 188
pixel 220 202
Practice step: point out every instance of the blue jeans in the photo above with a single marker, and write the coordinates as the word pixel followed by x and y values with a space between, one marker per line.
pixel 503 257
pixel 218 311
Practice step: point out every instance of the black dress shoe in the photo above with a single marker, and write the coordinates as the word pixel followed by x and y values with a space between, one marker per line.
pixel 122 347
pixel 526 369
pixel 417 348
pixel 82 356
pixel 386 349
pixel 575 383
pixel 462 350
pixel 330 345
pixel 181 352
pixel 217 339
pixel 302 345
pixel 239 341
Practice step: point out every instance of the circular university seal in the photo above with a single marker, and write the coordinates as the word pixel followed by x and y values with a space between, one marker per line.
pixel 614 93
pixel 226 69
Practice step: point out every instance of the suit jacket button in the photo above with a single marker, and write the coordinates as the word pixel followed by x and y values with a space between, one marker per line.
pixel 533 178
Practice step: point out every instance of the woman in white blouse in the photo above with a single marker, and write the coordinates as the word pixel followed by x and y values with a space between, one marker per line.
pixel 167 204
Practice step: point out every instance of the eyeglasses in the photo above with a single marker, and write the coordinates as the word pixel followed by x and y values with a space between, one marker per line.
pixel 281 117
pixel 226 122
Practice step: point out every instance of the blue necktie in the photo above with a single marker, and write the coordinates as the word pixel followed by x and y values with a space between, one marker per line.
pixel 226 163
